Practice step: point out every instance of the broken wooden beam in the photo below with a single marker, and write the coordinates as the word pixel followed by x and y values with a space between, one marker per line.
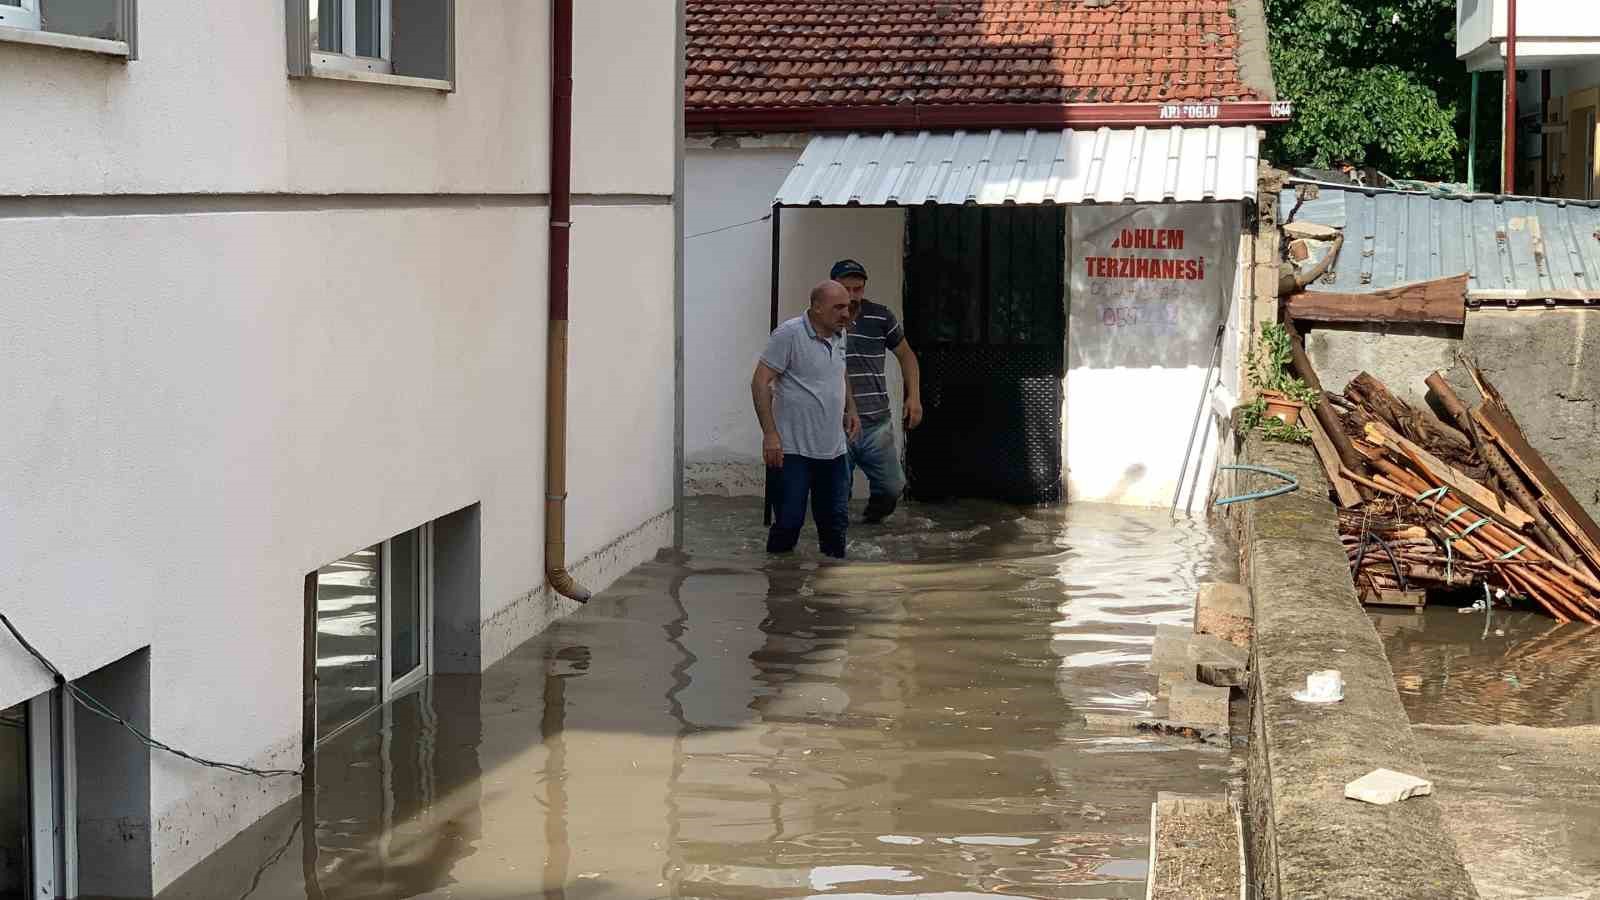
pixel 1441 301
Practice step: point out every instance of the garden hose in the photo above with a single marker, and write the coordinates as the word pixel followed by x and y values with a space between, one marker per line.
pixel 1292 485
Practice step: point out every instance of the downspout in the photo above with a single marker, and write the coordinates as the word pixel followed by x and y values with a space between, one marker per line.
pixel 1508 183
pixel 555 452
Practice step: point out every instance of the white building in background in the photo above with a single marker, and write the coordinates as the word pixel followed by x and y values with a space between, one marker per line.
pixel 985 172
pixel 1558 89
pixel 274 302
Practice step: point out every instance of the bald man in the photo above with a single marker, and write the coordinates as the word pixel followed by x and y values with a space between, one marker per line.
pixel 808 418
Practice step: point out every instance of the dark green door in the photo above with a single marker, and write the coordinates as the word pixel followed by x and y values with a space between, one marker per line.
pixel 984 310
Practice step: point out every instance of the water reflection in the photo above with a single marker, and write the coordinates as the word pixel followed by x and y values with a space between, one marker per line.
pixel 1514 668
pixel 722 725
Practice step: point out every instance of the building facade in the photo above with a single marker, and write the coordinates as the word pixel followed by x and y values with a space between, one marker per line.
pixel 275 306
pixel 1558 89
pixel 983 161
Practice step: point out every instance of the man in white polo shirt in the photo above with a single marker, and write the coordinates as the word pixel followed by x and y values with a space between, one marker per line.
pixel 808 418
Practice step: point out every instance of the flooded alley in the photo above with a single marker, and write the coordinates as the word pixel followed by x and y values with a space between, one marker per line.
pixel 718 724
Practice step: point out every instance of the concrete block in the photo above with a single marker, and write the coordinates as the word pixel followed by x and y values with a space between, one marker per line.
pixel 1169 656
pixel 1223 609
pixel 1385 786
pixel 1198 704
pixel 1218 662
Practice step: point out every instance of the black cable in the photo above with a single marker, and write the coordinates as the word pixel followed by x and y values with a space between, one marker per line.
pixel 100 709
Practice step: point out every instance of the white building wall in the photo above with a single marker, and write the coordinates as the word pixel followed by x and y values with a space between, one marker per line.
pixel 1139 355
pixel 728 294
pixel 214 383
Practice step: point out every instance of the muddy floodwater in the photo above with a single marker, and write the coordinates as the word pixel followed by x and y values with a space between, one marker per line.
pixel 1508 667
pixel 719 724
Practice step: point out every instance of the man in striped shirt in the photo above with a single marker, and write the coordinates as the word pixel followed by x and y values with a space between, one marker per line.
pixel 873 334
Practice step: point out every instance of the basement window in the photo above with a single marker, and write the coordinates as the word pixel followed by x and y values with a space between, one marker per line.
pixel 75 790
pixel 35 794
pixel 91 26
pixel 374 631
pixel 405 43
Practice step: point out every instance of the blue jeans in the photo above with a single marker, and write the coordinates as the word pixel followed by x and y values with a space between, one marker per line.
pixel 874 453
pixel 827 483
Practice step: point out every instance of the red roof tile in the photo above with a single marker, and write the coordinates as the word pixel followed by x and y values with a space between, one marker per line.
pixel 746 56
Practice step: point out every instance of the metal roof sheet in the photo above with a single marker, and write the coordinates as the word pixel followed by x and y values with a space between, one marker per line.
pixel 1540 247
pixel 992 168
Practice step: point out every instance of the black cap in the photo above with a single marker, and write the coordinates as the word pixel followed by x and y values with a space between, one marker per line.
pixel 847 267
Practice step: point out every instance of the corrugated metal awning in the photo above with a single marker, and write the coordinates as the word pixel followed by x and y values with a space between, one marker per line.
pixel 993 168
pixel 1510 247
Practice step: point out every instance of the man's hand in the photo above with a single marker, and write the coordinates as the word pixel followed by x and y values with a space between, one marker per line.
pixel 772 450
pixel 852 426
pixel 913 412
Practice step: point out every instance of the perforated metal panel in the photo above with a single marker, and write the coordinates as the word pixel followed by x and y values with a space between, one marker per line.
pixel 992 424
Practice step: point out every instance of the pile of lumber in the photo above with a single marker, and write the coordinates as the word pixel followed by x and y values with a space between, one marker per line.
pixel 1428 504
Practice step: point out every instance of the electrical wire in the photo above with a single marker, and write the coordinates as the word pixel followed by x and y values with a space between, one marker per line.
pixel 690 237
pixel 100 709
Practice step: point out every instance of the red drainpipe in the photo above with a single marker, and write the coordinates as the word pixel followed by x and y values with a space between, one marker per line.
pixel 1508 183
pixel 555 458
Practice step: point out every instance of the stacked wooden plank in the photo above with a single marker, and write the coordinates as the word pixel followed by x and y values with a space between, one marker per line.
pixel 1429 504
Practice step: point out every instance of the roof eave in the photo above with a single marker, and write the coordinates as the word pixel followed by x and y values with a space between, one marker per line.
pixel 997 115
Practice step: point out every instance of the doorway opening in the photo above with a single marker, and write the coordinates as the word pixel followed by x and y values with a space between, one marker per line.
pixel 985 310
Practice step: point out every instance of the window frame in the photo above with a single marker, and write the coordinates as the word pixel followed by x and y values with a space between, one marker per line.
pixel 33 31
pixel 395 687
pixel 52 795
pixel 305 62
pixel 389 687
pixel 25 16
pixel 347 60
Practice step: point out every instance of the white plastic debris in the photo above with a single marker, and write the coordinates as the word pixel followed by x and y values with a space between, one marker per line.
pixel 1384 786
pixel 1326 686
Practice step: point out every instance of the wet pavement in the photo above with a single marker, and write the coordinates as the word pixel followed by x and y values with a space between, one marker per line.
pixel 718 724
pixel 1522 803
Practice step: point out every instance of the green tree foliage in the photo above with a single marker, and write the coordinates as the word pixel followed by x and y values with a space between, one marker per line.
pixel 1375 82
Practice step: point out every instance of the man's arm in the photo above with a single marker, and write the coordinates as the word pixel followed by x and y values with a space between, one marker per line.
pixel 911 374
pixel 852 421
pixel 761 394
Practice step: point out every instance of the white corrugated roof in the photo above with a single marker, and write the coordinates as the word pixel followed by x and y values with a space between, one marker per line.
pixel 992 168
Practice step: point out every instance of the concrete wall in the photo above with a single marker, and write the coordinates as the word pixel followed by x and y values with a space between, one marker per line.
pixel 1542 360
pixel 1307 840
pixel 1546 363
pixel 217 377
pixel 728 290
pixel 1400 356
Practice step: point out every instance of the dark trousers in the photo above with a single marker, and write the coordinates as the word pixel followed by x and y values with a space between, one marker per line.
pixel 827 483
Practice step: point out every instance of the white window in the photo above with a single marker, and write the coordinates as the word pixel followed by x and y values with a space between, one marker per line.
pixel 351 34
pixel 19 13
pixel 374 636
pixel 95 26
pixel 409 43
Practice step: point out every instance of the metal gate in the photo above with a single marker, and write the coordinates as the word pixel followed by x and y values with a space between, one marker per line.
pixel 985 312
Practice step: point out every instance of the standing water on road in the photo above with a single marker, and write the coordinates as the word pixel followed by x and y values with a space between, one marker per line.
pixel 722 724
